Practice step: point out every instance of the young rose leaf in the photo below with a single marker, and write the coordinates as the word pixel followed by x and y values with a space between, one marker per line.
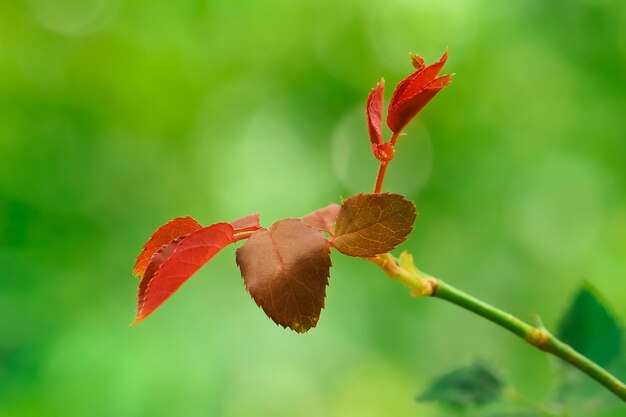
pixel 322 219
pixel 414 92
pixel 407 109
pixel 285 269
pixel 165 234
pixel 590 328
pixel 176 262
pixel 248 223
pixel 371 224
pixel 418 79
pixel 466 387
pixel 158 259
pixel 418 62
pixel 374 112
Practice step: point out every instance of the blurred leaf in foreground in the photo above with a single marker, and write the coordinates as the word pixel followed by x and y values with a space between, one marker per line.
pixel 590 328
pixel 466 387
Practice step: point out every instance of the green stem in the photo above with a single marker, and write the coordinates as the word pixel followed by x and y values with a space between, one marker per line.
pixel 405 271
pixel 536 336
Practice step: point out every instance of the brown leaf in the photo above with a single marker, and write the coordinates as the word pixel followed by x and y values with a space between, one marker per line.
pixel 180 226
pixel 285 269
pixel 322 219
pixel 371 224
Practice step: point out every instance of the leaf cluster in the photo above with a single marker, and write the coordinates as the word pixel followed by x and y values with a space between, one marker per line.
pixel 285 267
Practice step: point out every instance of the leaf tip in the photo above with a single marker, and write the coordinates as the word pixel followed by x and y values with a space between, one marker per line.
pixel 417 61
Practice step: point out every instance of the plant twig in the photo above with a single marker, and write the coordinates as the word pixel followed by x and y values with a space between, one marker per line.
pixel 425 285
pixel 380 177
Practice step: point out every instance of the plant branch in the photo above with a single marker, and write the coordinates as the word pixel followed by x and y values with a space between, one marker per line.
pixel 405 271
pixel 381 177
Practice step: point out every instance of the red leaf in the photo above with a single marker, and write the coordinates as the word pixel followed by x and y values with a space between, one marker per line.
pixel 165 234
pixel 248 223
pixel 371 224
pixel 408 108
pixel 374 112
pixel 418 62
pixel 159 257
pixel 401 108
pixel 285 269
pixel 176 262
pixel 322 219
pixel 413 83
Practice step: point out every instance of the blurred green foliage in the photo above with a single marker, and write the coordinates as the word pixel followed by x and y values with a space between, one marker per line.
pixel 470 386
pixel 590 329
pixel 117 116
pixel 479 390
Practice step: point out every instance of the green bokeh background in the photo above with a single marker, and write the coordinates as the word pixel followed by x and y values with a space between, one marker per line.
pixel 118 116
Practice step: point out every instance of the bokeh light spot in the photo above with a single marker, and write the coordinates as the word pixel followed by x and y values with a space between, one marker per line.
pixel 72 17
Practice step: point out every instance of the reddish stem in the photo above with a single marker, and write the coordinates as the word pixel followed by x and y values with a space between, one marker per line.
pixel 243 236
pixel 247 229
pixel 383 165
pixel 394 138
pixel 381 177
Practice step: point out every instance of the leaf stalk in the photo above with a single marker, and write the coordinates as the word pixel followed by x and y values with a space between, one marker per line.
pixel 381 177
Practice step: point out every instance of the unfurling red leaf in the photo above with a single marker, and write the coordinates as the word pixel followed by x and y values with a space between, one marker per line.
pixel 374 112
pixel 407 109
pixel 285 269
pixel 180 226
pixel 418 62
pixel 371 224
pixel 590 329
pixel 414 92
pixel 248 223
pixel 466 387
pixel 322 219
pixel 418 80
pixel 176 262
